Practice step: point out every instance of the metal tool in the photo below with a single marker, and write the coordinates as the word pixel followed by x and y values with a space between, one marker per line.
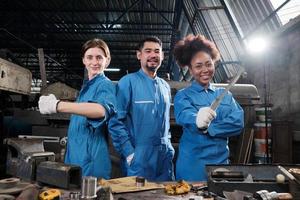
pixel 24 155
pixel 9 182
pixel 88 187
pixel 259 180
pixel 59 174
pixel 218 100
pixel 44 138
pixel 227 175
pixel 74 195
pixel 52 194
pixel 288 174
pixel 140 181
pixel 266 195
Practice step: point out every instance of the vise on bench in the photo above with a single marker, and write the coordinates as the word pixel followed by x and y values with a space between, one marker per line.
pixel 24 155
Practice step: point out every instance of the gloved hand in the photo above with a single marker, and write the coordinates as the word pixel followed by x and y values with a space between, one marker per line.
pixel 204 116
pixel 48 104
pixel 129 159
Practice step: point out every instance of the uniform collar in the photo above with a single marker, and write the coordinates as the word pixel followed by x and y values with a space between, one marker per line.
pixel 97 77
pixel 146 76
pixel 200 88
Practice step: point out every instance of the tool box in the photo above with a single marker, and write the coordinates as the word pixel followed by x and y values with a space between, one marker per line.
pixel 248 178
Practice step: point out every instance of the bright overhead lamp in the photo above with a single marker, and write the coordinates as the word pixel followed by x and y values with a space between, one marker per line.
pixel 257 45
pixel 112 69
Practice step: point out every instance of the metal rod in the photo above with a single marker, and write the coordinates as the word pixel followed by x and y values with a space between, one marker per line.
pixel 218 100
pixel 288 174
pixel 266 117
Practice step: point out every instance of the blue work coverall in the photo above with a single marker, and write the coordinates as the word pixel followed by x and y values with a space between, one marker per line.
pixel 196 149
pixel 141 126
pixel 87 145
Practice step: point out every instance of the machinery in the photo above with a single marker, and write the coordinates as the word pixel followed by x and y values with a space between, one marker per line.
pixel 249 178
pixel 253 181
pixel 27 159
pixel 24 156
pixel 14 78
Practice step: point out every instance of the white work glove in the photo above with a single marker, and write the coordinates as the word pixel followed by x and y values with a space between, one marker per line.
pixel 48 104
pixel 204 116
pixel 129 159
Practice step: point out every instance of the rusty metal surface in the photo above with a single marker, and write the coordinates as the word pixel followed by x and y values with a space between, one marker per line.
pixel 198 191
pixel 24 155
pixel 256 177
pixel 19 187
pixel 59 174
pixel 25 146
pixel 153 194
pixel 61 91
pixel 14 78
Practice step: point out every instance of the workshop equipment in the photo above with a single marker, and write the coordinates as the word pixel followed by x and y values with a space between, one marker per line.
pixel 61 91
pixel 128 184
pixel 266 195
pixel 228 175
pixel 256 177
pixel 59 174
pixel 12 186
pixel 14 78
pixel 219 99
pixel 9 182
pixel 51 194
pixel 288 174
pixel 245 94
pixel 30 192
pixel 261 148
pixel 74 195
pixel 24 155
pixel 104 193
pixel 140 181
pixel 88 187
pixel 53 144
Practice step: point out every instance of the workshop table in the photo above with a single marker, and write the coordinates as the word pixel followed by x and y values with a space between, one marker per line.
pixel 154 194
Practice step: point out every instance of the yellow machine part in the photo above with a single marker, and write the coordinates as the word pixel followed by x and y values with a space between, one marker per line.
pixel 51 194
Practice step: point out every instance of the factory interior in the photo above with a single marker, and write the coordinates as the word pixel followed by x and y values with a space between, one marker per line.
pixel 40 54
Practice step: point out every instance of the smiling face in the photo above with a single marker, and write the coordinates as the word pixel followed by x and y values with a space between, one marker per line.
pixel 202 68
pixel 150 57
pixel 95 61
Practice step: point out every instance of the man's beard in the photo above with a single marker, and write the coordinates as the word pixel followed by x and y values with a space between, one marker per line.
pixel 152 68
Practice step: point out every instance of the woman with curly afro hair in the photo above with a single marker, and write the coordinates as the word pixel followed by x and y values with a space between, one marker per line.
pixel 205 131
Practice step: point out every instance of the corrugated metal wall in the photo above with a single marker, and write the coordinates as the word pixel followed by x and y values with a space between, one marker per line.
pixel 228 30
pixel 250 13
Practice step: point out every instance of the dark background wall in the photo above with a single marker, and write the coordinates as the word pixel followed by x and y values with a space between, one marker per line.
pixel 276 74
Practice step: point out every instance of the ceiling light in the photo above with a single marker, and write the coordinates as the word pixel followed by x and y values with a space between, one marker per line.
pixel 112 69
pixel 257 45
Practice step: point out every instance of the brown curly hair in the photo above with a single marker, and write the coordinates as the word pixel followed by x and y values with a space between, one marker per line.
pixel 186 48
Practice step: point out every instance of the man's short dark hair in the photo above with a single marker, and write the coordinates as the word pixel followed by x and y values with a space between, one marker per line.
pixel 149 39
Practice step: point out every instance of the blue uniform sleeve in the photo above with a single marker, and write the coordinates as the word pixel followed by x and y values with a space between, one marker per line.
pixel 229 120
pixel 117 124
pixel 106 96
pixel 185 112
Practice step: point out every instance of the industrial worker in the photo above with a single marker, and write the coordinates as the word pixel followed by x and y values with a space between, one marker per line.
pixel 87 145
pixel 140 129
pixel 205 131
